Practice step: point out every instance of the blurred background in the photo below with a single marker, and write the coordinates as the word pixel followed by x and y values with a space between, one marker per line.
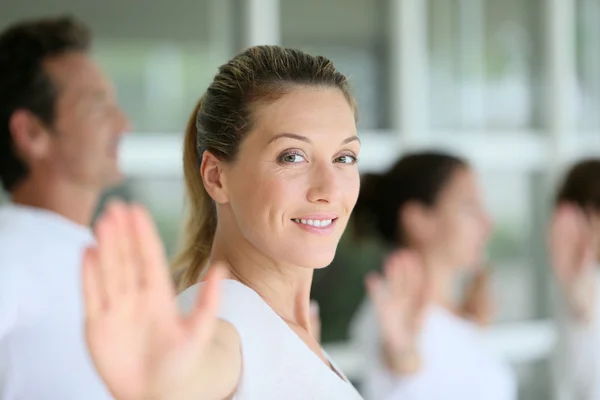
pixel 512 85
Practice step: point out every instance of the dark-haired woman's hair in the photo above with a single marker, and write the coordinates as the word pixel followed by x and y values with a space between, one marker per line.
pixel 581 185
pixel 418 177
pixel 221 120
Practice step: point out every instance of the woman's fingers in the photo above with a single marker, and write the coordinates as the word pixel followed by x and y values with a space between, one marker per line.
pixel 405 278
pixel 376 289
pixel 109 264
pixel 153 271
pixel 204 316
pixel 127 252
pixel 93 287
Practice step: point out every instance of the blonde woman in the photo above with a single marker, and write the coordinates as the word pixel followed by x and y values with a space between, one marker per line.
pixel 270 166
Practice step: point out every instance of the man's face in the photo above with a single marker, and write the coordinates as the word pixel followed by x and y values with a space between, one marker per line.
pixel 84 140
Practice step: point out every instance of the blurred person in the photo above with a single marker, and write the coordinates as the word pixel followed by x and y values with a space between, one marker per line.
pixel 418 341
pixel 60 128
pixel 574 253
pixel 270 163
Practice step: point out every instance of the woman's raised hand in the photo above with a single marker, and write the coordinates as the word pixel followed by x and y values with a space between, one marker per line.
pixel 141 345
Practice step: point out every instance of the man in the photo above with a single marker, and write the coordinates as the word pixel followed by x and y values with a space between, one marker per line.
pixel 60 128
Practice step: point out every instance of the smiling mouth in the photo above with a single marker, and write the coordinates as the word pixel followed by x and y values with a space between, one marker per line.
pixel 317 223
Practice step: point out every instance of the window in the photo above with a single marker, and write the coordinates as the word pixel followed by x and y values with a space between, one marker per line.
pixel 484 64
pixel 588 65
pixel 351 34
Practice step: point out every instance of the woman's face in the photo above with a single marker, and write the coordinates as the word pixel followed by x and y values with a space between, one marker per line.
pixel 460 226
pixel 295 182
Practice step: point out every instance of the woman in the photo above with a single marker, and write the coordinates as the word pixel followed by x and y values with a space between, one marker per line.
pixel 270 166
pixel 418 340
pixel 574 235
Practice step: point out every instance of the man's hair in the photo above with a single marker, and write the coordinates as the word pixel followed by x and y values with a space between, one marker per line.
pixel 24 83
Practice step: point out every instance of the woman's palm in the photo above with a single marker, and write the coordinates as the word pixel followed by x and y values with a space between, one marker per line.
pixel 141 345
pixel 400 298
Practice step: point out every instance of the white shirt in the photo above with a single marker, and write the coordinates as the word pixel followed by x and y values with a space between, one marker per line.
pixel 456 364
pixel 276 363
pixel 577 356
pixel 43 354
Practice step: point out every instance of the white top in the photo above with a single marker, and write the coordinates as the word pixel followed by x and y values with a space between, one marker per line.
pixel 577 355
pixel 456 364
pixel 43 354
pixel 276 363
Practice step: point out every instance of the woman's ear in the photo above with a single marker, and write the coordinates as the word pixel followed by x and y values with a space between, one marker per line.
pixel 211 171
pixel 416 222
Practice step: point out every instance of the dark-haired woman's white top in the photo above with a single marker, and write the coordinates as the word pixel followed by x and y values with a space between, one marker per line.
pixel 457 364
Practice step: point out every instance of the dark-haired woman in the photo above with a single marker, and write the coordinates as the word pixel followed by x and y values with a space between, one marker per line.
pixel 420 343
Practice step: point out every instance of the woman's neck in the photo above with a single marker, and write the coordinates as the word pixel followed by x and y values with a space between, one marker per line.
pixel 286 288
pixel 440 279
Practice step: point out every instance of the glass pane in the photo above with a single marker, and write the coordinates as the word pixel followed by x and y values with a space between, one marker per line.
pixel 158 83
pixel 350 34
pixel 164 199
pixel 484 57
pixel 509 199
pixel 588 63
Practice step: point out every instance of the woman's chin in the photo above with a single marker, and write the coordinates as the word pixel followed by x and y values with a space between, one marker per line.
pixel 317 260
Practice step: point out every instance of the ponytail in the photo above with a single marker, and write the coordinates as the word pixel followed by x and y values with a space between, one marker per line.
pixel 201 222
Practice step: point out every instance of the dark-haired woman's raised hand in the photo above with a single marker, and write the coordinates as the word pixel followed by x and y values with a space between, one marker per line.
pixel 572 249
pixel 142 347
pixel 400 299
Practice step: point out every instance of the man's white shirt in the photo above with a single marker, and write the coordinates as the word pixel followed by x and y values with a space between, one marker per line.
pixel 43 354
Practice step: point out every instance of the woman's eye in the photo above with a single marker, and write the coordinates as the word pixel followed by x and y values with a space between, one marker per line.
pixel 347 159
pixel 292 158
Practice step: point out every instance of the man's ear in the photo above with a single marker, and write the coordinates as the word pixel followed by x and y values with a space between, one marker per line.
pixel 30 138
pixel 211 171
